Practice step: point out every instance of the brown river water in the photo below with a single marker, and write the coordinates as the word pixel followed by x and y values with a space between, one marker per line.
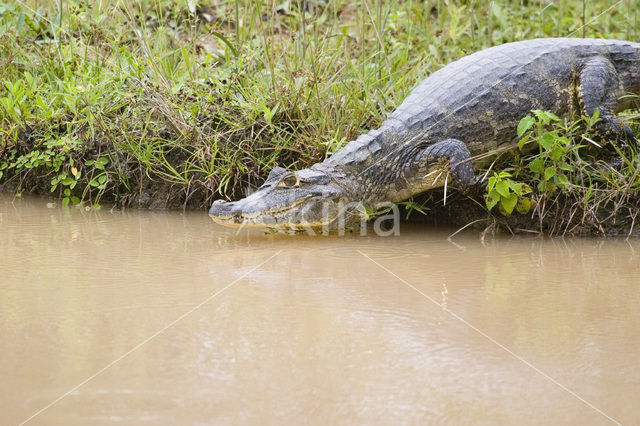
pixel 155 318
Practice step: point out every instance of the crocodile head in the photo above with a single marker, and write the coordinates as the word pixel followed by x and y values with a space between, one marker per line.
pixel 308 198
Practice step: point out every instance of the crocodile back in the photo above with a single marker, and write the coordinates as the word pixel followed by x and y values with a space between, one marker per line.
pixel 480 98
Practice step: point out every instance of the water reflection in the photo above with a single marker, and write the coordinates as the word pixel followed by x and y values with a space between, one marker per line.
pixel 319 333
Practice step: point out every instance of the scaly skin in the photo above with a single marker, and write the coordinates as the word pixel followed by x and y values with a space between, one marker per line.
pixel 471 106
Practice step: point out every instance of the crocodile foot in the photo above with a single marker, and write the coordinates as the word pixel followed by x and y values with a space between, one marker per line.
pixel 613 129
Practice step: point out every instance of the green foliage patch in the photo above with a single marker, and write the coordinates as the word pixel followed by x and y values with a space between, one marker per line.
pixel 592 182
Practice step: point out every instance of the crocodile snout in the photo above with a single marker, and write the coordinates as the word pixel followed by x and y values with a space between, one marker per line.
pixel 223 208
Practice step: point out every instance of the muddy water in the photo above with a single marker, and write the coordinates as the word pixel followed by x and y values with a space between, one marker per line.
pixel 166 318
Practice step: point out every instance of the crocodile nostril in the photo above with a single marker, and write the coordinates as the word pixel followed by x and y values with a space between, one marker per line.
pixel 217 207
pixel 224 208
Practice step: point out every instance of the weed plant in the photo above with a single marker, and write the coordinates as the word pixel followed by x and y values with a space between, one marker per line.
pixel 579 185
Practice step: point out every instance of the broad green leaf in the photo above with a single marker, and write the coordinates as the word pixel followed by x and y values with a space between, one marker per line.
pixel 548 139
pixel 523 206
pixel 537 165
pixel 492 199
pixel 502 188
pixel 522 142
pixel 556 153
pixel 516 187
pixel 545 116
pixel 508 203
pixel 524 125
pixel 491 184
pixel 549 186
pixel 562 179
pixel 538 113
pixel 566 167
pixel 549 172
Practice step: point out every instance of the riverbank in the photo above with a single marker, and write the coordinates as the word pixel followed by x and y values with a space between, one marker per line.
pixel 172 104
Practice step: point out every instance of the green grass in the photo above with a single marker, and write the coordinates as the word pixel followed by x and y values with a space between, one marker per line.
pixel 180 102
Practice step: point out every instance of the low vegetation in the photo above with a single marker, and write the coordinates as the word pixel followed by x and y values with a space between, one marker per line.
pixel 579 185
pixel 173 103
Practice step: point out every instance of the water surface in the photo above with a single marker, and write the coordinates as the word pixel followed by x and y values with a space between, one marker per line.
pixel 165 318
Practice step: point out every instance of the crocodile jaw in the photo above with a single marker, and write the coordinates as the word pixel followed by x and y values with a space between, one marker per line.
pixel 309 212
pixel 316 201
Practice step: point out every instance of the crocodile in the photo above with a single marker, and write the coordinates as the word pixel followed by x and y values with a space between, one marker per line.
pixel 470 107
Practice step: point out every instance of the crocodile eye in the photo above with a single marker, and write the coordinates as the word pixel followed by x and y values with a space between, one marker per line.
pixel 289 181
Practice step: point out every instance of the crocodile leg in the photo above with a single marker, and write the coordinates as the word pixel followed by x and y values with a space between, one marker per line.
pixel 433 165
pixel 600 88
pixel 457 155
